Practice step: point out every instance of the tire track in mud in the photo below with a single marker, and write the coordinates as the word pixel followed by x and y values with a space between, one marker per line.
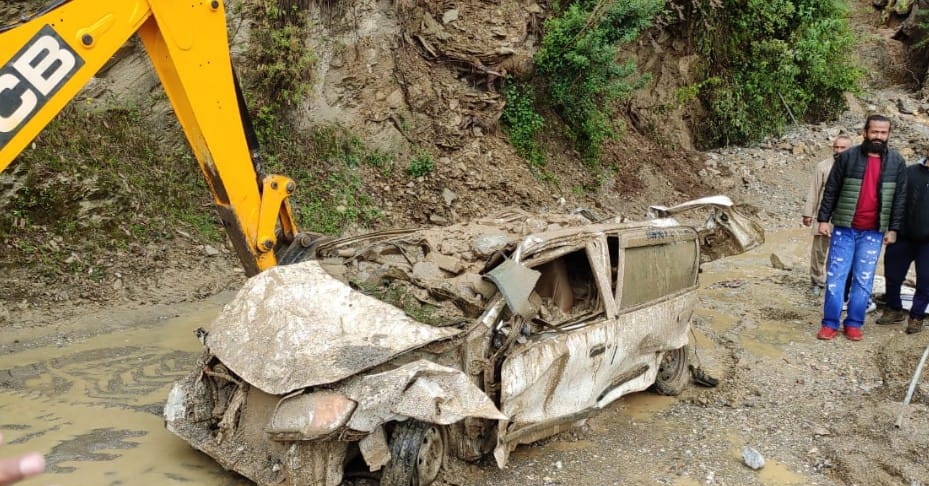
pixel 108 377
pixel 93 403
pixel 131 378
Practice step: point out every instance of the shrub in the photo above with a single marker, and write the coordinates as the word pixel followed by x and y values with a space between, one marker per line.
pixel 769 62
pixel 326 165
pixel 522 122
pixel 578 58
pixel 420 165
pixel 280 59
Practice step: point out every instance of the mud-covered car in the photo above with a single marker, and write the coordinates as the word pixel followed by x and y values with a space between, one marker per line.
pixel 385 353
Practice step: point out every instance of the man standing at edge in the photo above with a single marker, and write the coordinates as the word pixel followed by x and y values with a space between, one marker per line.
pixel 820 246
pixel 864 198
pixel 912 245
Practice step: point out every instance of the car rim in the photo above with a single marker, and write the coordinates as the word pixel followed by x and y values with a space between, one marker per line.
pixel 429 459
pixel 672 364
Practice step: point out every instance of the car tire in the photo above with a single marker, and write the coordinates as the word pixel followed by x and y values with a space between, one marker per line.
pixel 673 372
pixel 417 453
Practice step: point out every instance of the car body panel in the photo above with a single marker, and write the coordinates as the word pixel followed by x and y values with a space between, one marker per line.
pixel 420 390
pixel 563 374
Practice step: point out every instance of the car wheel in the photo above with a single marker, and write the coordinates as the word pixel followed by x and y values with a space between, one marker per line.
pixel 417 451
pixel 673 372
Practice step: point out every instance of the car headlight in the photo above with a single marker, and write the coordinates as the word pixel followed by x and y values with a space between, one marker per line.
pixel 309 416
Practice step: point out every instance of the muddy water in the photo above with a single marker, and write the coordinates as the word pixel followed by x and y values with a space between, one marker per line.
pixel 92 404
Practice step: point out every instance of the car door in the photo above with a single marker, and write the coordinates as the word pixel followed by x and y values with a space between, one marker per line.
pixel 569 360
pixel 645 279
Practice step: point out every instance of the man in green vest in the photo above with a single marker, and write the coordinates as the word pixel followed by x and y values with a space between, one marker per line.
pixel 864 199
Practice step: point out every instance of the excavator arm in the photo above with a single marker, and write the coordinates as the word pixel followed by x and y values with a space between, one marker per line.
pixel 47 59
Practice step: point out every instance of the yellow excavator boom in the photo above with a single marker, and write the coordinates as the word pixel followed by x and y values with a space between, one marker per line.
pixel 45 61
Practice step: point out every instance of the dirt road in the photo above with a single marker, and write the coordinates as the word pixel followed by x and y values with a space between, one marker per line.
pixel 87 390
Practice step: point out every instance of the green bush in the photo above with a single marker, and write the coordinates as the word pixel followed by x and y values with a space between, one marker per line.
pixel 769 62
pixel 578 58
pixel 381 160
pixel 523 122
pixel 333 143
pixel 115 185
pixel 281 62
pixel 420 165
pixel 336 204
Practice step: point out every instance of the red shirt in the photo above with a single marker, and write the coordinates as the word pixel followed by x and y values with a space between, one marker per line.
pixel 866 217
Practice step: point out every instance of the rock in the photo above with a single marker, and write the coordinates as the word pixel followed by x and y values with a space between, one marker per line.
pixel 426 271
pixel 906 106
pixel 395 99
pixel 449 196
pixel 450 16
pixel 777 263
pixel 445 262
pixel 752 458
pixel 485 245
pixel 210 251
pixel 437 219
pixel 725 183
pixel 918 127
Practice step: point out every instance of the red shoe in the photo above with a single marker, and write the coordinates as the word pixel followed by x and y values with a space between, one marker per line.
pixel 827 333
pixel 853 333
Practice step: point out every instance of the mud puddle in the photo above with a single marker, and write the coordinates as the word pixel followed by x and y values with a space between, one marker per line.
pixel 92 404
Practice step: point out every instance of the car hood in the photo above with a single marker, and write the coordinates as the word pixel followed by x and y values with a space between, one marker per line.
pixel 296 326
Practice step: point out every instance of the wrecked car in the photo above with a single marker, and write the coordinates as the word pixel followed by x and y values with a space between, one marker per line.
pixel 382 355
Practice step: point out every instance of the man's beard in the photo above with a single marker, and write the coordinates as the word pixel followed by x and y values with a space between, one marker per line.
pixel 874 146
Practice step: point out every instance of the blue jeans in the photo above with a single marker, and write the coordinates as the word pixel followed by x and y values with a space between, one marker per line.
pixel 854 252
pixel 897 260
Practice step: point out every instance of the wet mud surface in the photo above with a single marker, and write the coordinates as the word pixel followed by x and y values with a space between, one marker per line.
pixel 92 401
